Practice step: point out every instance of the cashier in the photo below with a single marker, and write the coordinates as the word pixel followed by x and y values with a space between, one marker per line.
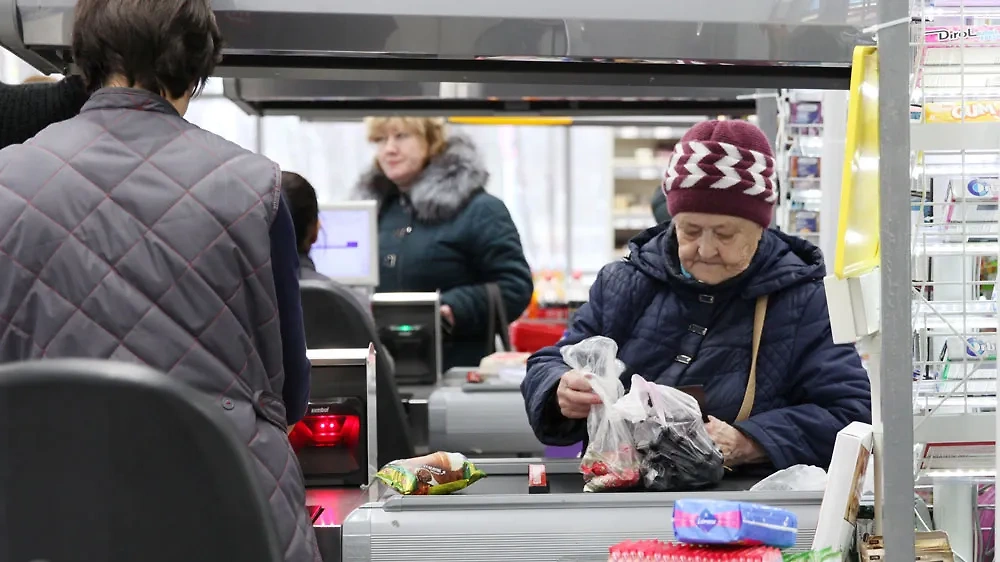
pixel 682 308
pixel 440 230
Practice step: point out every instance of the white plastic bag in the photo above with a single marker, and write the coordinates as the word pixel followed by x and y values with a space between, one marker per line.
pixel 798 478
pixel 610 461
pixel 676 451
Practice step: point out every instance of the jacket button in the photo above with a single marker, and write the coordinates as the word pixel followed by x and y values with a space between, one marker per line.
pixel 685 359
pixel 696 329
pixel 402 232
pixel 390 260
pixel 707 299
pixel 227 404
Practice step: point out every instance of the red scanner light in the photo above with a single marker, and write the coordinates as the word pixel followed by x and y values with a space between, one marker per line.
pixel 328 430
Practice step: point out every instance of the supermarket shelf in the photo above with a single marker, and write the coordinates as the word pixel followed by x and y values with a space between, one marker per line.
pixel 953 308
pixel 945 428
pixel 939 249
pixel 966 325
pixel 633 221
pixel 952 137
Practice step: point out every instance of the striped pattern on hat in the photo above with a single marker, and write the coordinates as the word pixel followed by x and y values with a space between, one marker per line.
pixel 719 165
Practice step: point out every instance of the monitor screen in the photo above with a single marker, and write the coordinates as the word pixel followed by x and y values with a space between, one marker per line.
pixel 346 249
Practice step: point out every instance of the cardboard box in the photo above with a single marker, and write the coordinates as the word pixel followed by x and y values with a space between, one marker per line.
pixel 930 547
pixel 836 525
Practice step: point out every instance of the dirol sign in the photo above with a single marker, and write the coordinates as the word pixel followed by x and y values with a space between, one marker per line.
pixel 950 35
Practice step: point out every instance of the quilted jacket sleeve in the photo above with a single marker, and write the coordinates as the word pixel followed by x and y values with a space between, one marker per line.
pixel 497 258
pixel 830 389
pixel 546 367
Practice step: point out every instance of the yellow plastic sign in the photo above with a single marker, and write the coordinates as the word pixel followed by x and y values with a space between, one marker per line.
pixel 858 230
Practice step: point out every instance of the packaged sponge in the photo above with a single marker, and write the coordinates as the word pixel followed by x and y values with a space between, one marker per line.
pixel 723 522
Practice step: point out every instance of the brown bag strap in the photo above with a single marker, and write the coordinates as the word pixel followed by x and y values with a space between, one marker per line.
pixel 760 311
pixel 498 325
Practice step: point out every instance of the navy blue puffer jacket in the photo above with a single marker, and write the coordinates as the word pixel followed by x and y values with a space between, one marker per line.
pixel 808 388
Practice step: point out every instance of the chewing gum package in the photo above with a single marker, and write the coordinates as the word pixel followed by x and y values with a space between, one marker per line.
pixel 434 474
pixel 739 523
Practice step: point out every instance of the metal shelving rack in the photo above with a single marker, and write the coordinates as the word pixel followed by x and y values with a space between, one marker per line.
pixel 955 187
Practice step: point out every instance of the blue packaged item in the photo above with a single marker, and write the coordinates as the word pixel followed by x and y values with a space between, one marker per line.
pixel 738 523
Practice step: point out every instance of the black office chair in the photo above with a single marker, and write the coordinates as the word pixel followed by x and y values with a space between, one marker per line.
pixel 115 462
pixel 335 318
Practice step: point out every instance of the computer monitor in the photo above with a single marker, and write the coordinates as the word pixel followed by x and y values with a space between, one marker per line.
pixel 346 249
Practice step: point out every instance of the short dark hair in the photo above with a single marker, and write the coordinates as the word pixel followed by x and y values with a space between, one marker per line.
pixel 164 46
pixel 303 205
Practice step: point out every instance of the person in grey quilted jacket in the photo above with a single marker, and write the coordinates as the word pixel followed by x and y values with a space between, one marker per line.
pixel 128 233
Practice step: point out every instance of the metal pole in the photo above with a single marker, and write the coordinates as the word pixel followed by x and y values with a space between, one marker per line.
pixel 896 359
pixel 568 184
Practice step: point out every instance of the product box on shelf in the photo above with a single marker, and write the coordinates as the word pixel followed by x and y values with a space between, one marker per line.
pixel 835 527
pixel 930 547
pixel 806 113
pixel 804 222
pixel 804 167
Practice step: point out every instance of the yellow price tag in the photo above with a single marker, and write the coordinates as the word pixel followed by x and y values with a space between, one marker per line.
pixel 857 249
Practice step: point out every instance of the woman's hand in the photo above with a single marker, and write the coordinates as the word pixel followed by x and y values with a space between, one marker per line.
pixel 447 314
pixel 736 447
pixel 575 395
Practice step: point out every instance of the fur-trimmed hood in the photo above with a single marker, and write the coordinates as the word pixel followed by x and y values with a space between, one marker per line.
pixel 443 189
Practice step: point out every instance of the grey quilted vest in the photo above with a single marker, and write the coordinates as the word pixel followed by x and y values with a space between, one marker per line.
pixel 128 233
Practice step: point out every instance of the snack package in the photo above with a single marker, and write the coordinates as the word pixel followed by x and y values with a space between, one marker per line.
pixel 434 474
pixel 824 555
pixel 656 551
pixel 724 522
pixel 610 461
pixel 676 451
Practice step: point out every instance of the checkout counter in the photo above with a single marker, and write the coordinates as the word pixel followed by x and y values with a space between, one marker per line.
pixel 496 519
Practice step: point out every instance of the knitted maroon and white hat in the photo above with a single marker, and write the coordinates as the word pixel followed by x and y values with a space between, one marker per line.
pixel 722 168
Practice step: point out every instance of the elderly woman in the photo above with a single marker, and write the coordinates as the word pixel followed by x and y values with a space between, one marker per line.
pixel 440 230
pixel 131 234
pixel 708 299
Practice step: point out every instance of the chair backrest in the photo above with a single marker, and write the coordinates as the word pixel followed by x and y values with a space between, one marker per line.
pixel 334 318
pixel 116 462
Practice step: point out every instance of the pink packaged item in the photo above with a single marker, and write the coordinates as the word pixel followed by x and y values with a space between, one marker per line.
pixel 657 551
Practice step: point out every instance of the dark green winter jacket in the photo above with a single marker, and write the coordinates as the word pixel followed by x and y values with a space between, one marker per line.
pixel 448 234
pixel 659 205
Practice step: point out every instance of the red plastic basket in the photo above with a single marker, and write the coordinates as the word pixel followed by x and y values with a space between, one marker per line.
pixel 531 335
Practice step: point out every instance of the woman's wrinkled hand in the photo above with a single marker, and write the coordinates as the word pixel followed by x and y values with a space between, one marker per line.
pixel 575 395
pixel 737 449
pixel 448 314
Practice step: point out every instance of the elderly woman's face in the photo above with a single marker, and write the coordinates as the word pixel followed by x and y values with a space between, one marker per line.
pixel 401 154
pixel 714 248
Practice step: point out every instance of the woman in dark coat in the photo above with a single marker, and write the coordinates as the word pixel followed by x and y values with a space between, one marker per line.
pixel 440 230
pixel 687 304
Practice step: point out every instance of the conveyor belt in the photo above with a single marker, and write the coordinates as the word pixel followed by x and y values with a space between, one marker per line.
pixel 511 485
pixel 497 520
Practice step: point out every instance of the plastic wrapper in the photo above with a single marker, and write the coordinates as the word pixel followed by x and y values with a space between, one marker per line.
pixel 825 555
pixel 703 521
pixel 434 474
pixel 798 478
pixel 610 461
pixel 676 451
pixel 656 551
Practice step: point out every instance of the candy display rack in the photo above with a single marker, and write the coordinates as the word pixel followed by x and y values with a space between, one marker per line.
pixel 955 114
